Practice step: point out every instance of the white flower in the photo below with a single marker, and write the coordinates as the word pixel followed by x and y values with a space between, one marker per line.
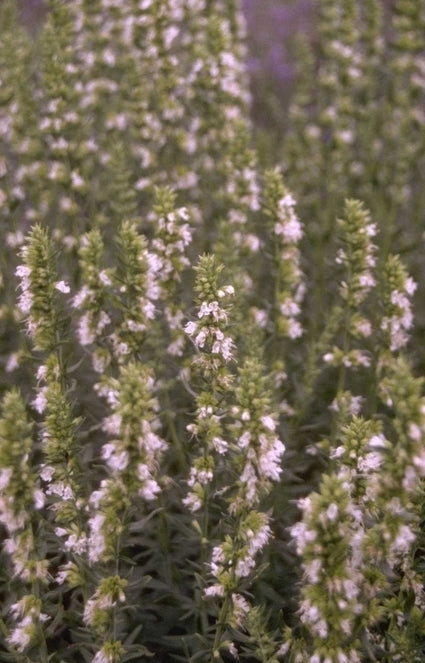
pixel 62 575
pixel 62 286
pixel 371 462
pixel 192 502
pixel 351 589
pixel 38 497
pixel 40 401
pixel 112 425
pixel 104 278
pixel 302 536
pixel 244 567
pixel 81 296
pixel 217 559
pixel 23 271
pixel 332 512
pixel 289 307
pixel 252 242
pixel 190 328
pixel 224 348
pixel 270 456
pixel 403 540
pixel 203 477
pixel 419 463
pixel 12 362
pixel 149 490
pixel 5 476
pixel 244 440
pixel 117 460
pixel 25 301
pixel 312 570
pixel 250 479
pixel 366 280
pixel 231 648
pixel 291 230
pixel 214 590
pixel 415 432
pixel 295 329
pixel 97 542
pixel 268 422
pixel 220 445
pixel 85 331
pixel 258 539
pixel 410 286
pixel 378 442
pixel 21 636
pixel 337 452
pixel 61 489
pixel 47 472
pixel 213 309
pixel 283 649
pixel 363 327
pixel 260 317
pixel 76 544
pixel 241 607
pixel 226 290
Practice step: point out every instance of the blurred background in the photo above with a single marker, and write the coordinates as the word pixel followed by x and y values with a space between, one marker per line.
pixel 271 27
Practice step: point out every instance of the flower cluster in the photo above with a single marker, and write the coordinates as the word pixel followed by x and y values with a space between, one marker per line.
pixel 398 290
pixel 20 493
pixel 209 334
pixel 99 615
pixel 60 471
pixel 209 331
pixel 29 619
pixel 368 519
pixel 278 205
pixel 232 563
pixel 138 278
pixel 135 279
pixel 404 465
pixel 173 234
pixel 258 449
pixel 359 454
pixel 39 287
pixel 132 456
pixel 357 257
pixel 329 538
pixel 357 254
pixel 20 499
pixel 91 297
pixel 255 453
pixel 253 534
pixel 111 652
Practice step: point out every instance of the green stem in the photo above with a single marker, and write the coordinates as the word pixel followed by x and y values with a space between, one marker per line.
pixel 44 654
pixel 177 445
pixel 203 563
pixel 221 625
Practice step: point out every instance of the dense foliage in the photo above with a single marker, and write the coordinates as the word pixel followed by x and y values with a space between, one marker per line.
pixel 212 423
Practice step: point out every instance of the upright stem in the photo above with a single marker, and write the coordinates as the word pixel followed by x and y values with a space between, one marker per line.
pixel 222 622
pixel 203 561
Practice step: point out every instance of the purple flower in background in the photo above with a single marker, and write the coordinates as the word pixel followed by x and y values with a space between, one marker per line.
pixel 32 13
pixel 271 24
